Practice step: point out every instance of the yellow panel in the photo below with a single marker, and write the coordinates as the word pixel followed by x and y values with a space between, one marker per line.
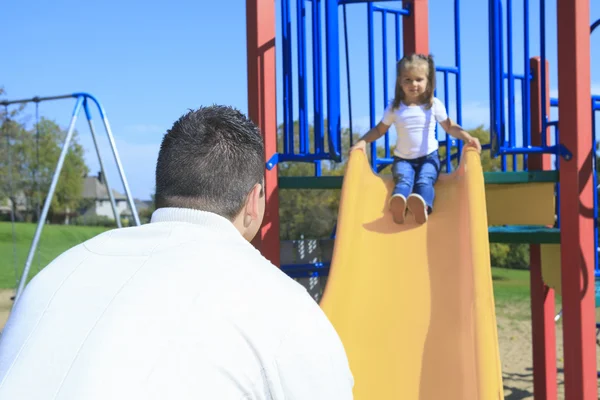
pixel 413 304
pixel 551 266
pixel 529 204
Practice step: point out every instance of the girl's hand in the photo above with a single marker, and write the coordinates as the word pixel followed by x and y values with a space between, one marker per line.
pixel 360 145
pixel 474 142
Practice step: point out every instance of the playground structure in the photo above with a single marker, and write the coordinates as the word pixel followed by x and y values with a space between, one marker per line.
pixel 82 100
pixel 556 202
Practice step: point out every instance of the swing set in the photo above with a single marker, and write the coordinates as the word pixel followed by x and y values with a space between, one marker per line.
pixel 82 100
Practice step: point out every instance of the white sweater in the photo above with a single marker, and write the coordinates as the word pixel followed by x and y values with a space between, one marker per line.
pixel 181 308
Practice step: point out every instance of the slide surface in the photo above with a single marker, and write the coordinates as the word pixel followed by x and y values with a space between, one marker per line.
pixel 413 304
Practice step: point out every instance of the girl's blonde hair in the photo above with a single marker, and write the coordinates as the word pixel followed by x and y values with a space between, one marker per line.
pixel 408 62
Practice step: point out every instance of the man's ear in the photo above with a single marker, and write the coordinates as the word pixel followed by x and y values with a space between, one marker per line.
pixel 252 204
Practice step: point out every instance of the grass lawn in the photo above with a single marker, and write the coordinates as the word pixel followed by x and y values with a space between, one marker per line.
pixel 511 293
pixel 54 240
pixel 511 287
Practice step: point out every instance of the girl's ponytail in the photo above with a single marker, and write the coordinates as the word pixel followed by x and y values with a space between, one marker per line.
pixel 398 93
pixel 428 96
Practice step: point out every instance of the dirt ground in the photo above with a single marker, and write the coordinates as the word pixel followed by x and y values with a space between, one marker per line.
pixel 514 334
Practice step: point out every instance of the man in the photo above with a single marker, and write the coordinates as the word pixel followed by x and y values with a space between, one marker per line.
pixel 183 307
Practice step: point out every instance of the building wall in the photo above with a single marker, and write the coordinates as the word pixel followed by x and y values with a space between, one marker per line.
pixel 103 208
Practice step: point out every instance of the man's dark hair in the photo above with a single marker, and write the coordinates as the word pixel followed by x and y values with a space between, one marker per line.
pixel 210 160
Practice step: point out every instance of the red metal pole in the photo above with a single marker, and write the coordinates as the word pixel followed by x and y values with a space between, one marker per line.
pixel 576 208
pixel 542 297
pixel 262 109
pixel 415 27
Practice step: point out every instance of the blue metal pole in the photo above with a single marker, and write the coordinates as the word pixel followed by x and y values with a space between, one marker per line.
pixel 334 129
pixel 457 62
pixel 113 146
pixel 302 82
pixel 492 69
pixel 348 79
pixel 526 89
pixel 49 196
pixel 448 144
pixel 360 1
pixel 500 67
pixel 385 75
pixel 595 173
pixel 318 124
pixel 398 42
pixel 543 69
pixel 594 26
pixel 288 108
pixel 111 195
pixel 371 80
pixel 317 77
pixel 511 81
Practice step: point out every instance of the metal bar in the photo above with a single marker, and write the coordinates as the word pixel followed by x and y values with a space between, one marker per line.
pixel 451 70
pixel 36 99
pixel 511 81
pixel 492 68
pixel 530 150
pixel 594 26
pixel 113 147
pixel 348 80
pixel 525 88
pixel 309 158
pixel 398 43
pixel 49 196
pixel 317 76
pixel 457 61
pixel 553 102
pixel 447 139
pixel 543 70
pixel 385 75
pixel 391 10
pixel 340 2
pixel 288 97
pixel 500 61
pixel 371 54
pixel 595 108
pixel 13 204
pixel 515 76
pixel 302 81
pixel 334 129
pixel 525 122
pixel 109 191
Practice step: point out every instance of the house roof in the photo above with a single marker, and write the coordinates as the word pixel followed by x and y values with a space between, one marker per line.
pixel 95 188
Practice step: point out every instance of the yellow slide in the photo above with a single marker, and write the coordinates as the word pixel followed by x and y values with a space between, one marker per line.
pixel 413 304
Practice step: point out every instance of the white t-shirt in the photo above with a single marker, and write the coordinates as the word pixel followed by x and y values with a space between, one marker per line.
pixel 415 127
pixel 182 308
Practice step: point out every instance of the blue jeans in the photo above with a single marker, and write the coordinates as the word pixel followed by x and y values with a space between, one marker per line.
pixel 417 176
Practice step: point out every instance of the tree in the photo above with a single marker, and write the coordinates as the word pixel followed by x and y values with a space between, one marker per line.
pixel 33 162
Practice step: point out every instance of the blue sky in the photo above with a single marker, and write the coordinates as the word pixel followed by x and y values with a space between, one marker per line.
pixel 150 62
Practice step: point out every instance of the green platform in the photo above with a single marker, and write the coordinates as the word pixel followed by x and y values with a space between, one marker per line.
pixel 335 182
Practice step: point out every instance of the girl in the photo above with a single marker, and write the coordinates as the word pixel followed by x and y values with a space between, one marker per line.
pixel 414 112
